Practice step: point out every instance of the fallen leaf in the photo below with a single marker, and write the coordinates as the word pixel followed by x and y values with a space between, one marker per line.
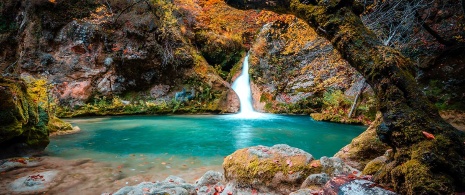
pixel 428 135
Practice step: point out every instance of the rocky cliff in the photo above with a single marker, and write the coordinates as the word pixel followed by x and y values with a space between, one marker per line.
pixel 294 70
pixel 88 50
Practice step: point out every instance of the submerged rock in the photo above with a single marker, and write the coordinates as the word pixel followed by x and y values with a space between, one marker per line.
pixel 34 183
pixel 172 185
pixel 14 163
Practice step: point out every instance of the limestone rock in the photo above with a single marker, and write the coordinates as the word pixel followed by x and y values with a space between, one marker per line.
pixel 14 163
pixel 210 178
pixel 172 185
pixel 316 180
pixel 280 168
pixel 335 166
pixel 348 185
pixel 231 103
pixel 33 183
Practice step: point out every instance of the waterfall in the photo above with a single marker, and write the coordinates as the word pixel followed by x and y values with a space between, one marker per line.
pixel 242 88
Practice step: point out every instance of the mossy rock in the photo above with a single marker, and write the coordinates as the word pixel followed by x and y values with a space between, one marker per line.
pixel 23 124
pixel 280 168
pixel 375 165
pixel 364 147
pixel 55 124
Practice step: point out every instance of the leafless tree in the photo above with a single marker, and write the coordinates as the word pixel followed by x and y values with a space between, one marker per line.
pixel 394 21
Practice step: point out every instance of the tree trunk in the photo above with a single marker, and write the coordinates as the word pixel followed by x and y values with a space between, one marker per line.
pixel 419 165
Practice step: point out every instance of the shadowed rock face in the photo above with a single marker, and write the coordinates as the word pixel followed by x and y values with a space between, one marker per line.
pixel 23 124
pixel 419 163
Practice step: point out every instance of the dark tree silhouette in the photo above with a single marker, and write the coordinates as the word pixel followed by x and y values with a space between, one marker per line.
pixel 420 164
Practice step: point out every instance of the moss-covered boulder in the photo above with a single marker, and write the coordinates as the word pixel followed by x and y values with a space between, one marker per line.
pixel 280 168
pixel 364 147
pixel 56 125
pixel 23 124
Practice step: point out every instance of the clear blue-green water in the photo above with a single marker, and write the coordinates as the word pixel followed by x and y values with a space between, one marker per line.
pixel 187 141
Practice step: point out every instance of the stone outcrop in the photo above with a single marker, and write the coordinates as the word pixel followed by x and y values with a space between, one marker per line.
pixel 23 123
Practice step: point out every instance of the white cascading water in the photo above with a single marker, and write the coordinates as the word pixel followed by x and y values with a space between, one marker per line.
pixel 242 88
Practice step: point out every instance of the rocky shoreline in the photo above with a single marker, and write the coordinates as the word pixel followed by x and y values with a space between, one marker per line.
pixel 279 169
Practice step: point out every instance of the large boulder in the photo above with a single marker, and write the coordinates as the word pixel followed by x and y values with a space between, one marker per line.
pixel 280 168
pixel 23 124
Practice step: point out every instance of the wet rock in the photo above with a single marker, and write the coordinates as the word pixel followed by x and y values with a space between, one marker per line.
pixel 55 124
pixel 33 183
pixel 13 163
pixel 279 169
pixel 350 185
pixel 171 185
pixel 315 180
